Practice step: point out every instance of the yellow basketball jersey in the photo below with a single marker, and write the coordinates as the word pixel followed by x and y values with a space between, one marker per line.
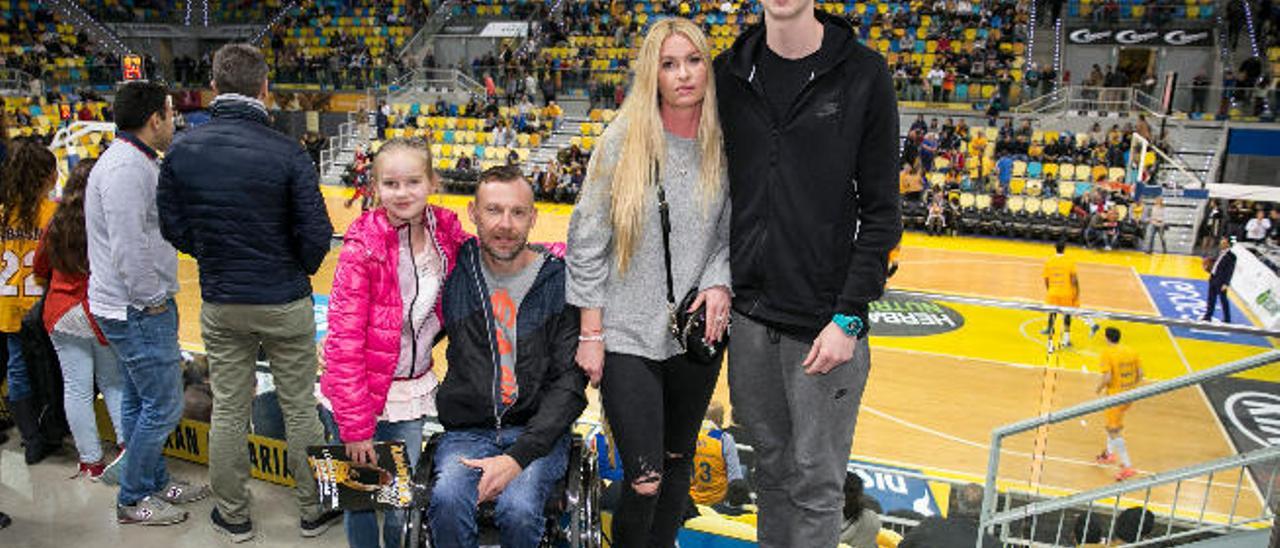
pixel 19 290
pixel 1123 364
pixel 1058 272
pixel 710 475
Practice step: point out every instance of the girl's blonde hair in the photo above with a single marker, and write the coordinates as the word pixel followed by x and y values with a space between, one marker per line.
pixel 643 142
pixel 415 146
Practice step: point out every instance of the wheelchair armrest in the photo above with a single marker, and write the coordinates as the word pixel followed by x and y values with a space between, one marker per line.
pixel 424 471
pixel 579 454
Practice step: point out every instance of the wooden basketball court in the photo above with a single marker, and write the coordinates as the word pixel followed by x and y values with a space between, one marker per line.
pixel 935 393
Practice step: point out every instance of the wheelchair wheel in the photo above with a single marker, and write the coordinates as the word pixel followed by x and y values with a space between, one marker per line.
pixel 415 533
pixel 586 528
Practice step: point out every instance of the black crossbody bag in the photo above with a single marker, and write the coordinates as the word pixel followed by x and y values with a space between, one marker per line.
pixel 687 327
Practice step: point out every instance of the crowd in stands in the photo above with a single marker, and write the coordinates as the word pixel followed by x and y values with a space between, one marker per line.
pixel 465 139
pixel 181 12
pixel 1147 13
pixel 344 44
pixel 1011 180
pixel 39 117
pixel 942 51
pixel 35 41
pixel 1240 220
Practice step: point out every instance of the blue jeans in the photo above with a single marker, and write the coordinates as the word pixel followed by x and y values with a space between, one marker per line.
pixel 147 346
pixel 362 527
pixel 519 507
pixel 83 361
pixel 19 379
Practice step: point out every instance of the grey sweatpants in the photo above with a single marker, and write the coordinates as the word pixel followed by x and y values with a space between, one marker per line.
pixel 801 427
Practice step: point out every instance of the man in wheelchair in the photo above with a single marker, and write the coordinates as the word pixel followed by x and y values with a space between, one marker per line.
pixel 512 390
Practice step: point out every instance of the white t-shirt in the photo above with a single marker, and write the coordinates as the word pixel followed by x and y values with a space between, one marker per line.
pixel 1256 229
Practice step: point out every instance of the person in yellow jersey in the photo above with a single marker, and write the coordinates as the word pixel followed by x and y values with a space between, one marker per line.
pixel 29 173
pixel 715 461
pixel 1062 285
pixel 1121 370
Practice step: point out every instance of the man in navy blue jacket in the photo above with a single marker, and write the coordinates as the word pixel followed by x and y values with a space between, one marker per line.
pixel 244 200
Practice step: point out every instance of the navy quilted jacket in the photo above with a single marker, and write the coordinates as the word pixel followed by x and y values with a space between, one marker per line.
pixel 244 200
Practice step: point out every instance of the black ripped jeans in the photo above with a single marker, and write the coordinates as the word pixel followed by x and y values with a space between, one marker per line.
pixel 655 409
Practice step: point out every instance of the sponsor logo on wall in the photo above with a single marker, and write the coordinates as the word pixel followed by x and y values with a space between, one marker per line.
pixel 907 317
pixel 1140 37
pixel 1186 299
pixel 320 305
pixel 1250 413
pixel 896 491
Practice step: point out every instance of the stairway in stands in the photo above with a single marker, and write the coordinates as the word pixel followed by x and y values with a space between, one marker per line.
pixel 576 113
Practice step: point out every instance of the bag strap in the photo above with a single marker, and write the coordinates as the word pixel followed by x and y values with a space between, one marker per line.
pixel 665 214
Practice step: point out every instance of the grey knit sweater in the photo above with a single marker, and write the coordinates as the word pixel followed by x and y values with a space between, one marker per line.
pixel 635 303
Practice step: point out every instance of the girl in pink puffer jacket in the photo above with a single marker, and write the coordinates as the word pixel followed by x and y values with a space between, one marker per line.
pixel 384 316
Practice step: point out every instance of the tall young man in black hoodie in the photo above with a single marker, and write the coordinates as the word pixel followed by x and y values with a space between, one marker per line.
pixel 811 134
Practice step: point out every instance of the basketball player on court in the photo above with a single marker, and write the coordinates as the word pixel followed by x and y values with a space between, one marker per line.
pixel 1121 370
pixel 1062 285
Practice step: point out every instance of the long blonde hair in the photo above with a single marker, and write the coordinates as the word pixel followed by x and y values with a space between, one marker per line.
pixel 643 141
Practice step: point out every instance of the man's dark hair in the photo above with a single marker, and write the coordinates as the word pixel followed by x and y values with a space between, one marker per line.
pixel 239 68
pixel 739 493
pixel 1086 534
pixel 1113 335
pixel 500 174
pixel 1061 246
pixel 967 501
pixel 1127 525
pixel 136 102
pixel 853 487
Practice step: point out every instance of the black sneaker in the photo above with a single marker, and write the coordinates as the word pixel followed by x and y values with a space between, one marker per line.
pixel 315 527
pixel 237 532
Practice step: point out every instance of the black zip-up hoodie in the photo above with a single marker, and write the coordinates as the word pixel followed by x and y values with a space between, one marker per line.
pixel 816 207
pixel 552 389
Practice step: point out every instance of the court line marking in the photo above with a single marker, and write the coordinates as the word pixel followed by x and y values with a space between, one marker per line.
pixel 1101 308
pixel 1213 412
pixel 1014 255
pixel 918 352
pixel 1010 452
pixel 1082 353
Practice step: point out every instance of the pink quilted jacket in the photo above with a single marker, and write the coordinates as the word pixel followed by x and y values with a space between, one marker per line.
pixel 366 316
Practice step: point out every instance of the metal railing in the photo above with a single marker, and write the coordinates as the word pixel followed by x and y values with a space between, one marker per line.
pixel 352 134
pixel 416 49
pixel 1193 523
pixel 1208 101
pixel 14 82
pixel 449 80
pixel 993 516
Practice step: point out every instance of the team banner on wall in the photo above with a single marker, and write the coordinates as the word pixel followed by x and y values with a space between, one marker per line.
pixel 1258 286
pixel 1140 37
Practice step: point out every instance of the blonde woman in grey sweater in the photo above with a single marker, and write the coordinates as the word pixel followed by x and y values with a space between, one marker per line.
pixel 667 137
